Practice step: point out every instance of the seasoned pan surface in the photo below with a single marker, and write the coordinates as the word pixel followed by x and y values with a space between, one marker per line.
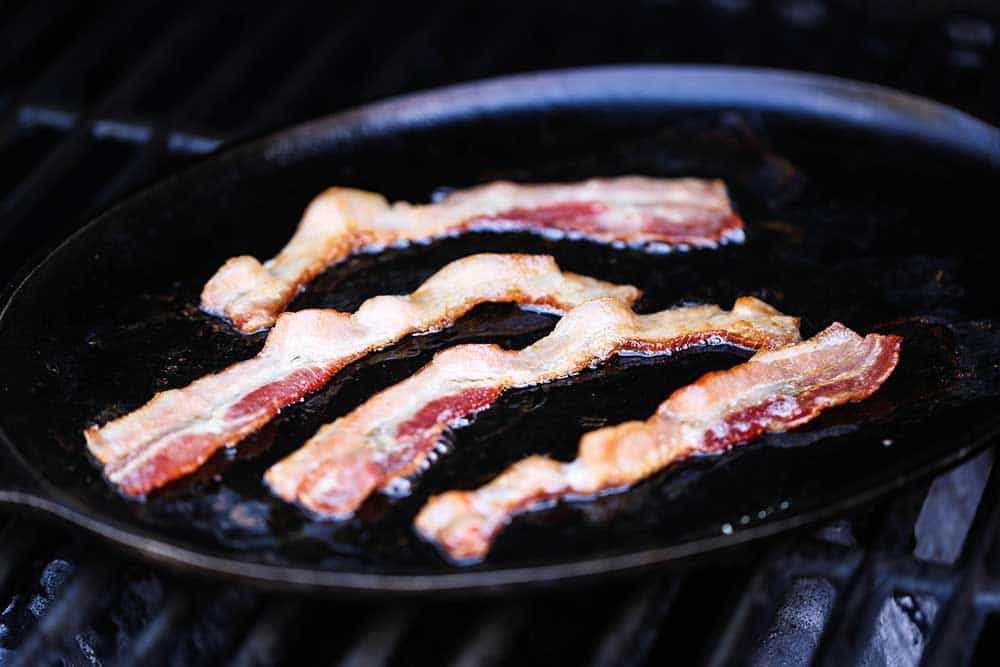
pixel 862 205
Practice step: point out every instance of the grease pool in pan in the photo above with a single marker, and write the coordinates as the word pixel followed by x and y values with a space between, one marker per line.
pixel 235 509
pixel 821 243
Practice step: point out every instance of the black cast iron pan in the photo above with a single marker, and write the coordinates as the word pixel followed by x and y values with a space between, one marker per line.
pixel 862 204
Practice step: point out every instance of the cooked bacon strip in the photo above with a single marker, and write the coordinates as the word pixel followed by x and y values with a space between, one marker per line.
pixel 392 434
pixel 342 221
pixel 774 391
pixel 179 429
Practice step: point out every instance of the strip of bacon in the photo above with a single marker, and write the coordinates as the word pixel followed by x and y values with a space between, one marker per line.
pixel 179 429
pixel 774 391
pixel 343 221
pixel 393 433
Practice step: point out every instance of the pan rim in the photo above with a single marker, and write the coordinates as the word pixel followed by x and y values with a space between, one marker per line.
pixel 835 99
pixel 831 100
pixel 167 552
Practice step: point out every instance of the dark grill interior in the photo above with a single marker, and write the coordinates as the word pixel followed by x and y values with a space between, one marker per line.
pixel 97 100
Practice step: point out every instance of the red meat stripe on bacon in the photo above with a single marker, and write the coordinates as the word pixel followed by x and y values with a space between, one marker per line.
pixel 773 391
pixel 342 221
pixel 394 433
pixel 176 432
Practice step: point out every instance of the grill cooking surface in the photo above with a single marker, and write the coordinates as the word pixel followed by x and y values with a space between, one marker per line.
pixel 96 101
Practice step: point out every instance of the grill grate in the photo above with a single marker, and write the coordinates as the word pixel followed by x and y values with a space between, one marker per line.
pixel 98 99
pixel 180 621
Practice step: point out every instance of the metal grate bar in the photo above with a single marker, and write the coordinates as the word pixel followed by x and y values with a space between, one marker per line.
pixel 907 574
pixel 895 533
pixel 187 30
pixel 499 49
pixel 885 572
pixel 959 621
pixel 263 644
pixel 630 637
pixel 237 66
pixel 988 598
pixel 985 528
pixel 170 137
pixel 376 643
pixel 850 626
pixel 397 76
pixel 470 41
pixel 38 184
pixel 79 144
pixel 491 641
pixel 310 73
pixel 83 598
pixel 86 51
pixel 775 573
pixel 25 28
pixel 150 647
pixel 26 65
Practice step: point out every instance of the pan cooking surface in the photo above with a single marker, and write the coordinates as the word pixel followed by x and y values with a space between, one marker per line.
pixel 881 232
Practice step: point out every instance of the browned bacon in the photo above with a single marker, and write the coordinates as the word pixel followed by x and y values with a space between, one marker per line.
pixel 774 391
pixel 179 429
pixel 394 432
pixel 342 221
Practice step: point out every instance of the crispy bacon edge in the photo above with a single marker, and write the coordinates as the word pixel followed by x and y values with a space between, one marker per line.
pixel 394 433
pixel 719 411
pixel 178 430
pixel 658 214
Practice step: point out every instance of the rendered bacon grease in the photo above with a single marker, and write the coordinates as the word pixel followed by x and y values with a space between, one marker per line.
pixel 773 391
pixel 658 213
pixel 178 430
pixel 394 432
